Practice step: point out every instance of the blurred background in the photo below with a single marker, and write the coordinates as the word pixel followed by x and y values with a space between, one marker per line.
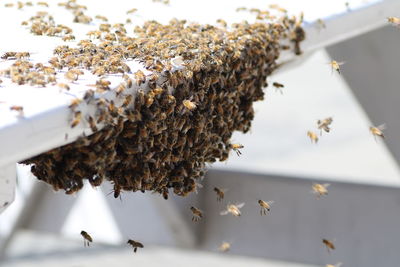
pixel 278 163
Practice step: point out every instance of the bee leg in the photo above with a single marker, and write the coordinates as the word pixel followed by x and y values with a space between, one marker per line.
pixel 134 250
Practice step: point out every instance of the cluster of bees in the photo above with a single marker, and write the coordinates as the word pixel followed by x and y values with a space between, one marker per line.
pixel 43 24
pixel 23 71
pixel 203 81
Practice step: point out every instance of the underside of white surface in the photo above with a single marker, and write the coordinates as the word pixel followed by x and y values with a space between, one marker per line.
pixel 46 121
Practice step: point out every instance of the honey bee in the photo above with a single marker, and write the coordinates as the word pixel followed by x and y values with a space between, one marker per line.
pixel 42 4
pixel 329 244
pixel 265 206
pixel 197 214
pixel 74 103
pixel 222 22
pixel 87 239
pixel 63 86
pixel 135 244
pixel 88 96
pixel 189 104
pixel 19 109
pixel 321 24
pixel 92 124
pixel 140 77
pixel 220 193
pixel 224 247
pixel 21 55
pixel 324 124
pixel 320 189
pixel 313 137
pixel 278 86
pixel 71 76
pixel 9 55
pixel 131 11
pixel 128 99
pixel 77 119
pixel 377 131
pixel 336 265
pixel 236 148
pixel 336 65
pixel 395 21
pixel 99 17
pixel 233 209
pixel 69 37
pixel 117 191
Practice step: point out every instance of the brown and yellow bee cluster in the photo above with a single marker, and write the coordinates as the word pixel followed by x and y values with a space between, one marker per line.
pixel 203 82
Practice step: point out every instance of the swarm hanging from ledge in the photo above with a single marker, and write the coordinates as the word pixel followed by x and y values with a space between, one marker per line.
pixel 157 142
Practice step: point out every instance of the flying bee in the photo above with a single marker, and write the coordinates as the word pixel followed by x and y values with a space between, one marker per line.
pixel 77 119
pixel 278 86
pixel 320 189
pixel 135 244
pixel 377 131
pixel 336 65
pixel 19 109
pixel 265 206
pixel 233 209
pixel 220 193
pixel 197 214
pixel 324 124
pixel 313 137
pixel 224 247
pixel 329 245
pixel 395 21
pixel 87 239
pixel 336 265
pixel 92 124
pixel 236 148
pixel 74 103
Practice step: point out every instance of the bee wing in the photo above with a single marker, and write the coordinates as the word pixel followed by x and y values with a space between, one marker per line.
pixel 382 126
pixel 341 63
pixel 240 205
pixel 224 212
pixel 326 185
pixel 270 202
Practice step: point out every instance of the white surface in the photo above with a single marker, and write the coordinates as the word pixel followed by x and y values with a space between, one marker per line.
pixel 47 118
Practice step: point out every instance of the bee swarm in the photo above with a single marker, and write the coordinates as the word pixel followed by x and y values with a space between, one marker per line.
pixel 157 142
